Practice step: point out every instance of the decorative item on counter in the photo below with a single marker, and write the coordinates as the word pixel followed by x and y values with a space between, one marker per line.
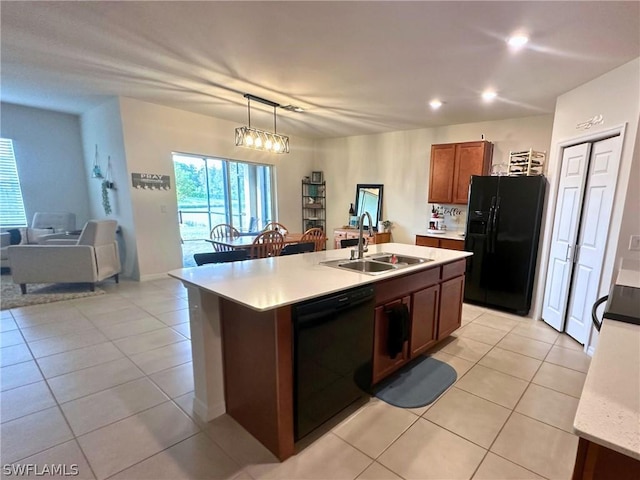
pixel 436 222
pixel 353 219
pixel 386 225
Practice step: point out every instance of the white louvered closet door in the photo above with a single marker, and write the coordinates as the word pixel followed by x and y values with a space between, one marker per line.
pixel 592 239
pixel 575 163
pixel 581 225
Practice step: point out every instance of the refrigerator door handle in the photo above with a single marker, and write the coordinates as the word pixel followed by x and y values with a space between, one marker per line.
pixel 494 229
pixel 488 233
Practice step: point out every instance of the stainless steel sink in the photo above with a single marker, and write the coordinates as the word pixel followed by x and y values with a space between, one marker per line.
pixel 366 266
pixel 376 264
pixel 398 260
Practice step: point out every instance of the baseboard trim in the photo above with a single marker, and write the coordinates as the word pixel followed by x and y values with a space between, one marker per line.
pixel 205 413
pixel 153 276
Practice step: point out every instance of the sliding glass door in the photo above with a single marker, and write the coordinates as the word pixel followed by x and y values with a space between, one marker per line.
pixel 213 191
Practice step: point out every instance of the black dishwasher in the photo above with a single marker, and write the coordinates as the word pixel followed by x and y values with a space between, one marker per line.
pixel 332 351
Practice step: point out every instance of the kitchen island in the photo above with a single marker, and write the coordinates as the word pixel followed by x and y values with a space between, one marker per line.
pixel 241 327
pixel 608 416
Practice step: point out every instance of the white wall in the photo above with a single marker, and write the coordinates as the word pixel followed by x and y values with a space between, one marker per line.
pixel 102 126
pixel 151 133
pixel 616 97
pixel 48 149
pixel 400 161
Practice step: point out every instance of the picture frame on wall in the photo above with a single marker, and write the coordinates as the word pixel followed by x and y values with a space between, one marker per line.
pixel 316 177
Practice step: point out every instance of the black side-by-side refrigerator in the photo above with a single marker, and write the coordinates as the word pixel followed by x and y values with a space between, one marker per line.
pixel 503 228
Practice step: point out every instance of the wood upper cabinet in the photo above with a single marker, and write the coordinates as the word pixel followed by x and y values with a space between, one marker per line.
pixel 441 173
pixel 452 165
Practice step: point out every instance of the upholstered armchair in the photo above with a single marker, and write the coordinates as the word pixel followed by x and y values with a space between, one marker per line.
pixel 44 226
pixel 91 258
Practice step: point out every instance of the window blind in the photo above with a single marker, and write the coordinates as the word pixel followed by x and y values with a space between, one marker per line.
pixel 11 205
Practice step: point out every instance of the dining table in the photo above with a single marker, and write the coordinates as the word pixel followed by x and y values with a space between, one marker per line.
pixel 245 241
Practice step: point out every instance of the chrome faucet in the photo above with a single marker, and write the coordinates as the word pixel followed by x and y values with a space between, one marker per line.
pixel 361 246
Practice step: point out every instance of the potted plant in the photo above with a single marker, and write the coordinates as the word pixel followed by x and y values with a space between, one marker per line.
pixel 106 204
pixel 386 225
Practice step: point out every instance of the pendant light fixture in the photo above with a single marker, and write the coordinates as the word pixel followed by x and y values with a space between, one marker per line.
pixel 259 139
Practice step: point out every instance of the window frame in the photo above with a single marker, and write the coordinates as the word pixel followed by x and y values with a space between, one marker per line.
pixel 12 211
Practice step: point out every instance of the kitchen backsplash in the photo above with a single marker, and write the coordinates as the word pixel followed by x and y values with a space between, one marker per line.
pixel 455 216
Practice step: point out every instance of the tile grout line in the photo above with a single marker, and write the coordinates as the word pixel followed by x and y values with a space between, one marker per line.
pixel 61 411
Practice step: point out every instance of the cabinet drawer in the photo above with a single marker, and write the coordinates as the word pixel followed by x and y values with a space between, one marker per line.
pixel 425 241
pixel 452 244
pixel 399 286
pixel 454 269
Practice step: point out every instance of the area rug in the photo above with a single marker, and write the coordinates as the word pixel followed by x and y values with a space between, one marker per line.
pixel 417 384
pixel 38 293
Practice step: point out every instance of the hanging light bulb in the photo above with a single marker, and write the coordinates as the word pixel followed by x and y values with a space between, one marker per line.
pixel 260 139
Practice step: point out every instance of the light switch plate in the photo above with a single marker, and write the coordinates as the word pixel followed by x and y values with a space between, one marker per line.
pixel 634 242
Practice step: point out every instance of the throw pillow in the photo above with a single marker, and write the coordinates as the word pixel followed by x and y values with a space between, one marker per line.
pixel 14 236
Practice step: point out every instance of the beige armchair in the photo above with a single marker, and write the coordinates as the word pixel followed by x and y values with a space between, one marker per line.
pixel 91 258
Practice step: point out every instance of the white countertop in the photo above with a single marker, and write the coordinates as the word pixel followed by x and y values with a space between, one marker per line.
pixel 269 283
pixel 449 234
pixel 609 409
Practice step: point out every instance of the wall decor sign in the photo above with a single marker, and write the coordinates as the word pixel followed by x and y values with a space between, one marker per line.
pixel 150 181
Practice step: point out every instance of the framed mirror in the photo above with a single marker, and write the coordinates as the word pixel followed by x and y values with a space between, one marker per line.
pixel 369 199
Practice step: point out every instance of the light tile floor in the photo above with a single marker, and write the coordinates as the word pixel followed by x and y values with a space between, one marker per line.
pixel 105 383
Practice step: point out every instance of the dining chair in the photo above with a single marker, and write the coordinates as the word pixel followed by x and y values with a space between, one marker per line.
pixel 276 226
pixel 348 242
pixel 220 231
pixel 295 248
pixel 315 235
pixel 220 257
pixel 267 244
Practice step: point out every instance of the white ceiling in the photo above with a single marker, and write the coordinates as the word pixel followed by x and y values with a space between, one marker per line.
pixel 356 67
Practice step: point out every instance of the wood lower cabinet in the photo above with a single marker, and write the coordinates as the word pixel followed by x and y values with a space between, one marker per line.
pixel 595 462
pixel 351 233
pixel 449 243
pixel 451 168
pixel 424 319
pixel 451 296
pixel 383 364
pixel 434 298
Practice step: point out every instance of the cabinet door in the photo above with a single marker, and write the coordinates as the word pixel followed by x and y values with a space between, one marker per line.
pixel 472 158
pixel 424 315
pixel 383 364
pixel 451 295
pixel 441 173
pixel 381 237
pixel 452 244
pixel 425 241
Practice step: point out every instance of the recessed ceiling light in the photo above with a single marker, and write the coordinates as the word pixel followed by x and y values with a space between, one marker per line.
pixel 435 104
pixel 489 95
pixel 517 41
